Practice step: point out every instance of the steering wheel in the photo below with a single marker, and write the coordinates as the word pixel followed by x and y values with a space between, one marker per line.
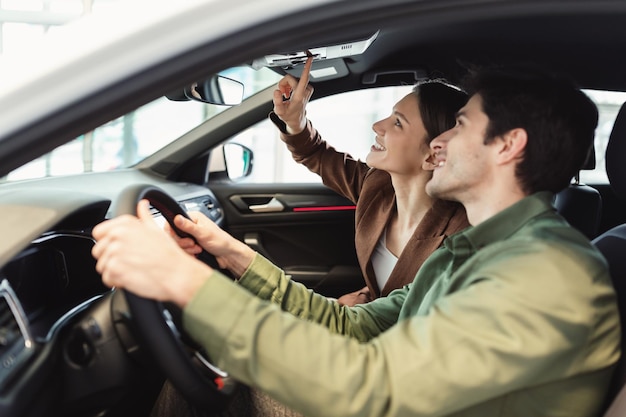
pixel 159 326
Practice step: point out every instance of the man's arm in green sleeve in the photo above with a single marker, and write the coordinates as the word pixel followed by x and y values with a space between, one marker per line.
pixel 270 283
pixel 474 348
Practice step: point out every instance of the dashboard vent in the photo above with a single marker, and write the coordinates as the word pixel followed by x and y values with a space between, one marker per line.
pixel 208 203
pixel 15 344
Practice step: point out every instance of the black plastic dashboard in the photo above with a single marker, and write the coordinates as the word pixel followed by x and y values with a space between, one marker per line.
pixel 52 276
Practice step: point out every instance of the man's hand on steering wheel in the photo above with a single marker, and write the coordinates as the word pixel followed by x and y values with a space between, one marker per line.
pixel 231 254
pixel 134 254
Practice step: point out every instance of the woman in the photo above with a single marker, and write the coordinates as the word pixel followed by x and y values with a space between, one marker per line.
pixel 397 224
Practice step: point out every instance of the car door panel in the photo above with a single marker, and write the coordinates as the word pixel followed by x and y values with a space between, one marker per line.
pixel 306 229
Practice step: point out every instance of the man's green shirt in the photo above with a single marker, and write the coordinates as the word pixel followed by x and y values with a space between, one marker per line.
pixel 514 317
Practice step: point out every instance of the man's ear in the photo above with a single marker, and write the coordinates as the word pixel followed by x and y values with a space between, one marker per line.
pixel 512 145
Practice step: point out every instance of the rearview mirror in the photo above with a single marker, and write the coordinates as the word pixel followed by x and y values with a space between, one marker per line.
pixel 216 90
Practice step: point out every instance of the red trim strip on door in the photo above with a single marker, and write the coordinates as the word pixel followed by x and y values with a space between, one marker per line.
pixel 324 208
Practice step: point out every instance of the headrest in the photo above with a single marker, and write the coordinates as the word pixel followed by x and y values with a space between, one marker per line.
pixel 615 157
pixel 590 162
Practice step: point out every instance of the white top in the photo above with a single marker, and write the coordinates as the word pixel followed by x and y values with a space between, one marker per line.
pixel 383 261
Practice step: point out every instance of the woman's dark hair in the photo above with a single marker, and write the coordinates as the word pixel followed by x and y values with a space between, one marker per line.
pixel 559 120
pixel 438 104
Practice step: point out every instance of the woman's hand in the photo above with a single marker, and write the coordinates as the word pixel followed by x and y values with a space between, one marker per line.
pixel 291 97
pixel 361 296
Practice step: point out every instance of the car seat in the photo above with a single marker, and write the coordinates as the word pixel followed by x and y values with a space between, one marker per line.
pixel 612 244
pixel 580 204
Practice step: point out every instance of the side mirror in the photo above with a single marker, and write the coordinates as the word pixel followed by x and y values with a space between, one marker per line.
pixel 238 160
pixel 230 162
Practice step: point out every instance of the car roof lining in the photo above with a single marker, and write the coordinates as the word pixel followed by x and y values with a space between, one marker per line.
pixel 540 40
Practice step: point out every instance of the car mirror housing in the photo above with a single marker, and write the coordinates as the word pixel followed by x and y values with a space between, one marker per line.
pixel 217 89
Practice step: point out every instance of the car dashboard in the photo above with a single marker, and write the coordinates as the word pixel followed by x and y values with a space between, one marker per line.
pixel 58 325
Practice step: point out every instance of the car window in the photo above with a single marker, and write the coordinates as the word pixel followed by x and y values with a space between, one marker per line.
pixel 127 140
pixel 345 122
pixel 609 103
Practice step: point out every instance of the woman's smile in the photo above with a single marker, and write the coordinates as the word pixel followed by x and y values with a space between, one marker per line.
pixel 378 147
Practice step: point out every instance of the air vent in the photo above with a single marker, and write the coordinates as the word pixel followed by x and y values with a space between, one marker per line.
pixel 214 212
pixel 208 203
pixel 15 344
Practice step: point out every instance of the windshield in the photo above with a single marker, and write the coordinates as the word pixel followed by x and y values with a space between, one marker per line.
pixel 127 140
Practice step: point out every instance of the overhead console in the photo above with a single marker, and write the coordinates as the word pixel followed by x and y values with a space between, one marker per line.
pixel 328 61
pixel 291 59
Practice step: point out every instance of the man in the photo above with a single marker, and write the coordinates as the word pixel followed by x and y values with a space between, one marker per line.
pixel 514 316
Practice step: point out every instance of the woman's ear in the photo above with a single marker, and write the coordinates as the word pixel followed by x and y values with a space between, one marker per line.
pixel 428 161
pixel 427 165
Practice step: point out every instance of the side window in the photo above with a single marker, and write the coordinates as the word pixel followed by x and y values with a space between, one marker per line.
pixel 608 103
pixel 344 121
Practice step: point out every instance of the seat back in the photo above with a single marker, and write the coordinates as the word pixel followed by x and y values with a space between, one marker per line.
pixel 580 204
pixel 612 244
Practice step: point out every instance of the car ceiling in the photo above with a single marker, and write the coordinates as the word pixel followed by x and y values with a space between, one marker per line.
pixel 568 37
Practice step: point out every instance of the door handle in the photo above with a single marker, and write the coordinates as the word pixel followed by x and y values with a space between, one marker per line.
pixel 271 207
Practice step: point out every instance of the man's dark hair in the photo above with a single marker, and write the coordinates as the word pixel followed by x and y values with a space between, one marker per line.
pixel 559 119
pixel 438 104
